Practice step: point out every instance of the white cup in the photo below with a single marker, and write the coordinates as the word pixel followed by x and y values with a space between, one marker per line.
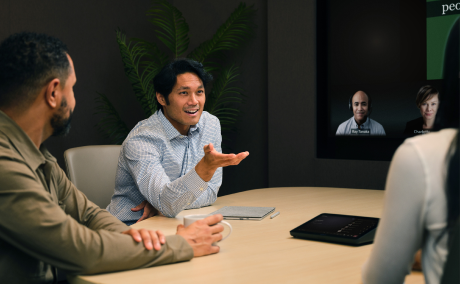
pixel 189 219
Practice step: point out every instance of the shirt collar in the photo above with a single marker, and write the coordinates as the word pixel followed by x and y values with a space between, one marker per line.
pixel 365 124
pixel 171 131
pixel 23 144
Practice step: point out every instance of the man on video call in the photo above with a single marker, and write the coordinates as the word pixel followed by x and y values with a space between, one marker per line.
pixel 45 222
pixel 173 159
pixel 360 123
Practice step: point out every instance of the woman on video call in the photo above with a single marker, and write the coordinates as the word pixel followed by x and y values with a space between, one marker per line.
pixel 421 206
pixel 427 101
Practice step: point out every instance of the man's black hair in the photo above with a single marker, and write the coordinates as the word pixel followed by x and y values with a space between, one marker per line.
pixel 28 61
pixel 165 80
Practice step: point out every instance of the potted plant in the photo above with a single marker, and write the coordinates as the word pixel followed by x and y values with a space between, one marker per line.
pixel 142 60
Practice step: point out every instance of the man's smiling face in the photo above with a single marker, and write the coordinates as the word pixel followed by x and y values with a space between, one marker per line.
pixel 360 105
pixel 186 102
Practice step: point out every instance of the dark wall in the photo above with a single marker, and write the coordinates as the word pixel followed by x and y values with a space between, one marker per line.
pixel 292 107
pixel 88 29
pixel 277 125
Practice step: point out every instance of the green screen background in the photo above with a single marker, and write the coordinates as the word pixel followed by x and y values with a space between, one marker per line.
pixel 437 33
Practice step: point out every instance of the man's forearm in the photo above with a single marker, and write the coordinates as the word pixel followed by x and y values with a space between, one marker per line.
pixel 188 191
pixel 44 231
pixel 130 255
pixel 102 219
pixel 177 195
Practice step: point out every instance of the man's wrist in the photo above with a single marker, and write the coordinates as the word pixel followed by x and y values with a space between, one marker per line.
pixel 204 171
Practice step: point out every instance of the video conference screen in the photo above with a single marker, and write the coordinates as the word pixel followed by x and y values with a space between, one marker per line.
pixel 380 66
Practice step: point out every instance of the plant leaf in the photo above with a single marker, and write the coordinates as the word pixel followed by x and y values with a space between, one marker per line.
pixel 111 126
pixel 172 27
pixel 142 60
pixel 141 81
pixel 154 53
pixel 221 101
pixel 231 35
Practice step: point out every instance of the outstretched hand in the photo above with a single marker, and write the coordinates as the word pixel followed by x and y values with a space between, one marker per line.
pixel 213 160
pixel 202 234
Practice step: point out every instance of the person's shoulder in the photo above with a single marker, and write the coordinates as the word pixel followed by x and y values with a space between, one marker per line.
pixel 415 123
pixel 209 120
pixel 430 151
pixel 4 142
pixel 417 120
pixel 148 128
pixel 376 124
pixel 7 151
pixel 437 139
pixel 152 122
pixel 209 117
pixel 432 147
pixel 14 170
pixel 342 126
pixel 146 135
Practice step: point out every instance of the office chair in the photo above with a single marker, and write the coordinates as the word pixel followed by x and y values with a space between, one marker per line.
pixel 92 170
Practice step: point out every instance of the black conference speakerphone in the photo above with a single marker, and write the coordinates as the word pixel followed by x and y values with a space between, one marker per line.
pixel 336 228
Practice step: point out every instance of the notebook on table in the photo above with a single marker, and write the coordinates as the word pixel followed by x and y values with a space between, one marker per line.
pixel 244 212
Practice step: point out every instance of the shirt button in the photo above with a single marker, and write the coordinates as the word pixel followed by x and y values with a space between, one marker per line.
pixel 201 188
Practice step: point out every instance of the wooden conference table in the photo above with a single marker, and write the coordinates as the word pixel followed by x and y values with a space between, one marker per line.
pixel 263 251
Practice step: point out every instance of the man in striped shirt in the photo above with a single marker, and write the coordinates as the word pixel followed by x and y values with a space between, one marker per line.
pixel 172 161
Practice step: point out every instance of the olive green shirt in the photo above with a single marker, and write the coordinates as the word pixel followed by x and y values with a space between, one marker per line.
pixel 46 223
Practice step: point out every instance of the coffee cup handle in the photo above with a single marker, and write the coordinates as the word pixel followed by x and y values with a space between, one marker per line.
pixel 230 226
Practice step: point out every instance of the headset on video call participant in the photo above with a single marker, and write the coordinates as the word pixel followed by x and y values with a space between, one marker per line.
pixel 360 104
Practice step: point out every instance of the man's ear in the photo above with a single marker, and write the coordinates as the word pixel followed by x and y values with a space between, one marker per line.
pixel 161 99
pixel 52 94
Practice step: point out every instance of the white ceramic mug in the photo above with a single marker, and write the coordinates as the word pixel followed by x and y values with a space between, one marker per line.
pixel 189 219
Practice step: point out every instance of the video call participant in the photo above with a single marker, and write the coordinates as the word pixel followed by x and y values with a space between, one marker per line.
pixel 172 159
pixel 427 101
pixel 361 123
pixel 422 194
pixel 45 222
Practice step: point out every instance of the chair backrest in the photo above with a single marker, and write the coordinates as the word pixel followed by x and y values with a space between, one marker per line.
pixel 451 272
pixel 92 170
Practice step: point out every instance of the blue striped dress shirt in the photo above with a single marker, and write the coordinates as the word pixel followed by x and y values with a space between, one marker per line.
pixel 157 164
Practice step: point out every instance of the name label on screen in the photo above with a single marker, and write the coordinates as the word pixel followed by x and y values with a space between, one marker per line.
pixel 356 131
